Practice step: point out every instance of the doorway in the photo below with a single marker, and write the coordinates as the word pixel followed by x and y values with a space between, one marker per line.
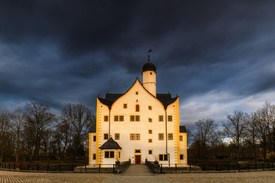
pixel 137 159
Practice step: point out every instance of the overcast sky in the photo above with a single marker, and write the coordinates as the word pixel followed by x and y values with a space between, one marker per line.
pixel 218 56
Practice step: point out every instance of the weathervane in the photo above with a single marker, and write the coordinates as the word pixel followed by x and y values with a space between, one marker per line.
pixel 149 54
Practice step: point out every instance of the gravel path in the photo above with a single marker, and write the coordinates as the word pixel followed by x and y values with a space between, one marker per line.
pixel 22 177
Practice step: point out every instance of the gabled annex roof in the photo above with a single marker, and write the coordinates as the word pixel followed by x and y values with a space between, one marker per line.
pixel 110 144
pixel 164 98
pixel 92 129
pixel 183 129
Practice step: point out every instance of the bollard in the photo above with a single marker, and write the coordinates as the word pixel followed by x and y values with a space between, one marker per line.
pixel 176 168
pixel 99 168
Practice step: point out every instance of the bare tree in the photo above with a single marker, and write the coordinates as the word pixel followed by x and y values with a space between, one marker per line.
pixel 38 121
pixel 62 136
pixel 234 128
pixel 204 135
pixel 81 119
pixel 250 135
pixel 4 130
pixel 265 117
pixel 218 144
pixel 17 122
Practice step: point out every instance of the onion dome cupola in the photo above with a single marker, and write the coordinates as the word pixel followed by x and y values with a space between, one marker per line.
pixel 149 76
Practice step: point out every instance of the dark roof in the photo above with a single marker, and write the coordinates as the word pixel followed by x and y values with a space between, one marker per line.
pixel 110 144
pixel 183 129
pixel 166 99
pixel 149 67
pixel 92 129
pixel 113 96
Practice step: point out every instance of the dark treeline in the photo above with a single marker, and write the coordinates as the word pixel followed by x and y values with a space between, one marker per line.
pixel 35 134
pixel 242 137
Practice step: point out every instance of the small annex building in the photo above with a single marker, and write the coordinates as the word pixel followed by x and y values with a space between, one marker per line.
pixel 138 125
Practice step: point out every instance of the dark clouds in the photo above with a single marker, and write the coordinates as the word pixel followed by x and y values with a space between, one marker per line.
pixel 57 52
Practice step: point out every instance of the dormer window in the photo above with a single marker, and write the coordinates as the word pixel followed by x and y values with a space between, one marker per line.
pixel 137 108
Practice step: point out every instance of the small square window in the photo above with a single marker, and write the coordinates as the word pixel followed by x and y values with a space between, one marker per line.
pixel 151 73
pixel 150 120
pixel 136 92
pixel 137 118
pixel 94 138
pixel 107 154
pixel 137 151
pixel 106 136
pixel 181 157
pixel 161 136
pixel 106 118
pixel 124 106
pixel 121 118
pixel 170 136
pixel 115 118
pixel 160 118
pixel 150 107
pixel 181 138
pixel 132 136
pixel 112 154
pixel 150 151
pixel 132 118
pixel 170 118
pixel 94 156
pixel 150 140
pixel 150 131
pixel 137 137
pixel 117 136
pixel 163 157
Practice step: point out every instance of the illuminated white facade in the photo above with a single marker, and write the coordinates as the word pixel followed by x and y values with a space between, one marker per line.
pixel 138 125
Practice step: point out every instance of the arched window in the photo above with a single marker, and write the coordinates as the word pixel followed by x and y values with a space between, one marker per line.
pixel 137 108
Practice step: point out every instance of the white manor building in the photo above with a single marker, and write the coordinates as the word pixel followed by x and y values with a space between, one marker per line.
pixel 138 125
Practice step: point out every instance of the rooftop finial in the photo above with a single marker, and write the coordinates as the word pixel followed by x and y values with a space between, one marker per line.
pixel 149 54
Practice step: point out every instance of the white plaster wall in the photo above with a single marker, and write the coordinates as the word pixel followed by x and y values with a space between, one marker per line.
pixel 125 128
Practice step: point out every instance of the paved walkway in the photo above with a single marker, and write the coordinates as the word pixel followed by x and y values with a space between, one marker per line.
pixel 138 170
pixel 138 174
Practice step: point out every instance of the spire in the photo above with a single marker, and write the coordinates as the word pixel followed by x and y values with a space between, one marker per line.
pixel 149 55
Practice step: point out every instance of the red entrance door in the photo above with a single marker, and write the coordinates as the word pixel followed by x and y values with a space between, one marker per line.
pixel 137 159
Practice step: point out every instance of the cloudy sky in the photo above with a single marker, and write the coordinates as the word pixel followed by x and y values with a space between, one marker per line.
pixel 218 56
